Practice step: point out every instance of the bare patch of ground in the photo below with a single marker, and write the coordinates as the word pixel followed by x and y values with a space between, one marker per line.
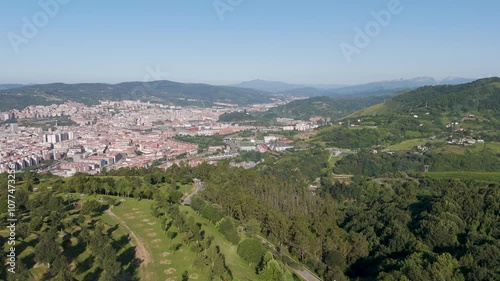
pixel 169 271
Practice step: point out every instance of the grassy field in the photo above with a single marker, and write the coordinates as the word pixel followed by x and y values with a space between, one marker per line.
pixel 332 160
pixel 379 108
pixel 486 176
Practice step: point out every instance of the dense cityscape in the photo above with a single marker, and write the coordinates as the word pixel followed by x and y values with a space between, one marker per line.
pixel 123 134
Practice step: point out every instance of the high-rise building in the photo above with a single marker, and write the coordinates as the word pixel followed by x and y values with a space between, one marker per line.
pixel 14 127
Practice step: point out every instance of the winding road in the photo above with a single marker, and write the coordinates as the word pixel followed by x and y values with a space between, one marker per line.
pixel 199 186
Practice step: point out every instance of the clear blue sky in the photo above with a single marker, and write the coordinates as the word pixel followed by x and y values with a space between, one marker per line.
pixel 294 41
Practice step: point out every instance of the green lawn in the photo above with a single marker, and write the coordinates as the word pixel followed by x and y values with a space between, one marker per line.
pixel 379 108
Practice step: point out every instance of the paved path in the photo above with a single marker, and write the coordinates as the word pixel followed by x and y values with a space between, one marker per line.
pixel 304 272
pixel 199 186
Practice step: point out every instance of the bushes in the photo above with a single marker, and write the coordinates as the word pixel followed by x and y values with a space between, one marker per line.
pixel 91 207
pixel 251 250
pixel 226 227
pixel 208 211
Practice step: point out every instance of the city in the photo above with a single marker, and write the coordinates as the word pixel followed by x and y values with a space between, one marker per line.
pixel 123 134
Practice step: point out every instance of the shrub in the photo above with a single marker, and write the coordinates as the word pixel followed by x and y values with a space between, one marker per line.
pixel 251 250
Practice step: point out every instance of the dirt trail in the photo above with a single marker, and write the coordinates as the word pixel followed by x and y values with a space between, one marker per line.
pixel 140 250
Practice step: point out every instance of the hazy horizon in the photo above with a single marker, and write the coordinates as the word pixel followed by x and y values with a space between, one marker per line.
pixel 250 80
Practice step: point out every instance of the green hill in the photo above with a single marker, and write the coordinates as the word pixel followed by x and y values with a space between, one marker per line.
pixel 158 91
pixel 324 107
pixel 479 96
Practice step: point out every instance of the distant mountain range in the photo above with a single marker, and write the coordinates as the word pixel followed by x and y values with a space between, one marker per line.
pixel 368 89
pixel 17 96
pixel 479 96
pixel 10 86
pixel 166 92
pixel 278 87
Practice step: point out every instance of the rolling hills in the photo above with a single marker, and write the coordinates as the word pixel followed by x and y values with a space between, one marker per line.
pixel 479 96
pixel 390 87
pixel 323 106
pixel 167 92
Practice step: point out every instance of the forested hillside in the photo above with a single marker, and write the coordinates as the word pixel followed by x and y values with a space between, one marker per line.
pixel 157 91
pixel 481 95
pixel 416 228
pixel 366 230
pixel 324 107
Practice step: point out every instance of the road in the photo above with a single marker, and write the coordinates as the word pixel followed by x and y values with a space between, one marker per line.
pixel 304 272
pixel 199 186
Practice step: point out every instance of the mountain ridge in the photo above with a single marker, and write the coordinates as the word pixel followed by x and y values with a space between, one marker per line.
pixel 163 91
pixel 385 87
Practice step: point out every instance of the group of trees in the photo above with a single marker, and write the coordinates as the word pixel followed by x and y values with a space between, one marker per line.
pixel 47 219
pixel 367 163
pixel 203 142
pixel 422 229
pixel 366 229
pixel 190 233
pixel 480 95
pixel 251 249
pixel 352 138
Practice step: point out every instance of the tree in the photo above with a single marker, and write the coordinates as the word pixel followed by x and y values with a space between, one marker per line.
pixel 218 267
pixel 251 250
pixel 91 207
pixel 185 276
pixel 171 235
pixel 112 268
pixel 35 223
pixel 174 197
pixel 47 250
pixel 61 270
pixel 22 273
pixel 253 227
pixel 23 230
pixel 272 272
pixel 226 227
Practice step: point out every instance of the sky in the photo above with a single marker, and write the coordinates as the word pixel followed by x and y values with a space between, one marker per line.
pixel 229 41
